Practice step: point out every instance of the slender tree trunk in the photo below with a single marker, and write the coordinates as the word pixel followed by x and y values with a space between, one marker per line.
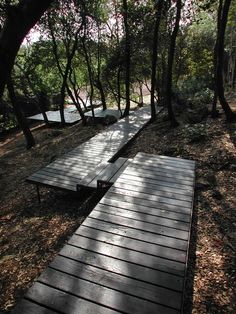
pixel 127 59
pixel 42 105
pixel 30 142
pixel 170 66
pixel 64 74
pixel 75 97
pixel 119 90
pixel 230 115
pixel 140 84
pixel 154 57
pixel 102 94
pixel 90 75
pixel 77 105
pixel 99 83
pixel 214 112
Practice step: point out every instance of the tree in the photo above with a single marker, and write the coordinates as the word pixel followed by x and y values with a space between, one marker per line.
pixel 170 65
pixel 223 11
pixel 30 142
pixel 127 58
pixel 158 10
pixel 19 20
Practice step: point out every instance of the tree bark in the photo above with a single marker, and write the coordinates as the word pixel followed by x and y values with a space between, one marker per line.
pixel 127 59
pixel 30 142
pixel 98 82
pixel 90 75
pixel 154 57
pixel 170 66
pixel 99 86
pixel 230 115
pixel 214 111
pixel 20 19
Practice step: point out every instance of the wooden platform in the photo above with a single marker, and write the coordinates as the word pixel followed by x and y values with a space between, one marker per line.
pixel 69 170
pixel 99 113
pixel 54 116
pixel 130 254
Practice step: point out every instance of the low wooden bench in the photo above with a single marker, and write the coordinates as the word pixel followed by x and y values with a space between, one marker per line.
pixel 104 174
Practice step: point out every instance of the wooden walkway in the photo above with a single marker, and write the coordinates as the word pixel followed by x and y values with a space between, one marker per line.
pixel 130 254
pixel 100 113
pixel 69 170
pixel 54 116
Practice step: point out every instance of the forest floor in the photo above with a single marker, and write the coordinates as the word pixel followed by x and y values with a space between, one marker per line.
pixel 31 234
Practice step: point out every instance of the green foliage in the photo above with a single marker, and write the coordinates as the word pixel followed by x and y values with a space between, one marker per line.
pixel 196 55
pixel 204 96
pixel 9 123
pixel 196 133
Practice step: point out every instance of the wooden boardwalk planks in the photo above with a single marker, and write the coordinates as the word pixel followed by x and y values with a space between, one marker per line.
pixel 81 164
pixel 54 116
pixel 130 254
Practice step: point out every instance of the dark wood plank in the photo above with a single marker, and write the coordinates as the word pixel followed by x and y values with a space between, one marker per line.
pixel 149 203
pixel 94 173
pixel 165 173
pixel 70 171
pixel 132 233
pixel 150 189
pixel 54 183
pixel 59 300
pixel 161 160
pixel 132 244
pixel 139 258
pixel 76 167
pixel 141 215
pixel 99 294
pixel 156 184
pixel 166 158
pixel 171 203
pixel 28 307
pixel 117 200
pixel 58 178
pixel 124 268
pixel 165 179
pixel 107 173
pixel 80 160
pixel 56 174
pixel 164 168
pixel 118 173
pixel 118 282
pixel 141 225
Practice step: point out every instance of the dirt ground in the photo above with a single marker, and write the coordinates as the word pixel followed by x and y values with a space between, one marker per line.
pixel 32 233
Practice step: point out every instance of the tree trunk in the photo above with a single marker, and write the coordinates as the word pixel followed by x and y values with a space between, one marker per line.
pixel 30 142
pixel 118 90
pixel 230 115
pixel 214 111
pixel 170 66
pixel 99 83
pixel 101 91
pixel 20 19
pixel 127 59
pixel 154 58
pixel 90 76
